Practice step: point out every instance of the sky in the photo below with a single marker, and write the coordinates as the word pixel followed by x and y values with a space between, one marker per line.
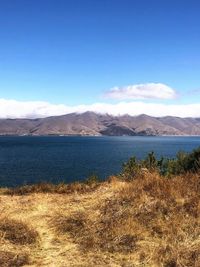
pixel 108 56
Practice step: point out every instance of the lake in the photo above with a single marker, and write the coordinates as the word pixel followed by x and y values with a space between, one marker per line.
pixel 26 159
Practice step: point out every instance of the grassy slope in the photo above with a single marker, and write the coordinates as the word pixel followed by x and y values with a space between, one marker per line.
pixel 150 221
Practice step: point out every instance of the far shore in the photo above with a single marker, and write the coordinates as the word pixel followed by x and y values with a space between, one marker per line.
pixel 79 135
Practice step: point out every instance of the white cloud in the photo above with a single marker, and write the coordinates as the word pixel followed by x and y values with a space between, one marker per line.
pixel 142 91
pixel 29 109
pixel 36 109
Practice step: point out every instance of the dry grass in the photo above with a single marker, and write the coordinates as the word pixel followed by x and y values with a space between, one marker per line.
pixel 61 188
pixel 9 259
pixel 150 221
pixel 17 232
pixel 162 215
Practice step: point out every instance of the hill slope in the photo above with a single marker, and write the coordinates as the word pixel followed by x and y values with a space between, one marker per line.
pixel 90 123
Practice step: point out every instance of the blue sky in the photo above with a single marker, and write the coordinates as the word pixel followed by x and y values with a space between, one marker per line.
pixel 74 52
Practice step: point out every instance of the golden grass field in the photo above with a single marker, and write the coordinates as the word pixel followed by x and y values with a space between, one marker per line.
pixel 150 221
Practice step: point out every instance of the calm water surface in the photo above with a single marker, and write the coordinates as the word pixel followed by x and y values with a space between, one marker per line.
pixel 25 160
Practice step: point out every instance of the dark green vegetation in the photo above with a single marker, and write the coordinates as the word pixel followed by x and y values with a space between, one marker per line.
pixel 183 163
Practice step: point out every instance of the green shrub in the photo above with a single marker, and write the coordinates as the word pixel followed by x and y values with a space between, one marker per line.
pixel 183 163
pixel 150 162
pixel 131 168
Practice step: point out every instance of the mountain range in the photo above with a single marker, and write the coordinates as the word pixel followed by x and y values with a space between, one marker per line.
pixel 90 123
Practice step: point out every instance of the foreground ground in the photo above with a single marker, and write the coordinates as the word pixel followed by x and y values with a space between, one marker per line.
pixel 151 221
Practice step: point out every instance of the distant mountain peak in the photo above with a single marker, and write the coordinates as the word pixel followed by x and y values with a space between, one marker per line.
pixel 91 123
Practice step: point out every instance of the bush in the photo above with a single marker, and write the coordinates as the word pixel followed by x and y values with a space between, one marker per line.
pixel 183 163
pixel 130 168
pixel 17 232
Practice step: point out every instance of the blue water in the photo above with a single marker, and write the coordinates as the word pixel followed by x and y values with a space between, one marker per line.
pixel 26 160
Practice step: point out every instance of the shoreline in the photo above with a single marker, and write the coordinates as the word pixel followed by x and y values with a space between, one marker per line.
pixel 77 135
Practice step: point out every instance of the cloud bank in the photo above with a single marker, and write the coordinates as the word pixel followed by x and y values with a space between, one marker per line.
pixel 39 109
pixel 141 91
